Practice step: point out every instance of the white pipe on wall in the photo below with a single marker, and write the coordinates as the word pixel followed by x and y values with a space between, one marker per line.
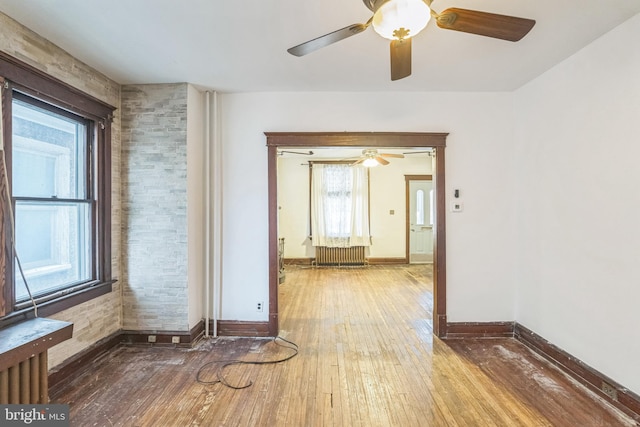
pixel 207 211
pixel 217 217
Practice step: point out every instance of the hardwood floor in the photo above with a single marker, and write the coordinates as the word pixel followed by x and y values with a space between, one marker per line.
pixel 367 357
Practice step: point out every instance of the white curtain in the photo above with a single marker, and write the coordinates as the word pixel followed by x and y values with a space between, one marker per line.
pixel 339 205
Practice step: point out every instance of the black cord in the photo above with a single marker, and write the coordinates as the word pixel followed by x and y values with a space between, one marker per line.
pixel 225 363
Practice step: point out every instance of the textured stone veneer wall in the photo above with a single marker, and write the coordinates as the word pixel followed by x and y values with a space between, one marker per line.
pixel 99 317
pixel 154 172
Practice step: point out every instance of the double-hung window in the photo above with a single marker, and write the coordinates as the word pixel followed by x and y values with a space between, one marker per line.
pixel 52 198
pixel 55 195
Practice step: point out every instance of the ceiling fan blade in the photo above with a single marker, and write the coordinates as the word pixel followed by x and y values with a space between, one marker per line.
pixel 486 24
pixel 382 161
pixel 322 41
pixel 400 58
pixel 358 162
pixel 399 156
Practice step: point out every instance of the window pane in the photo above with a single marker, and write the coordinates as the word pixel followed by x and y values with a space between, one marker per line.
pixel 420 207
pixel 337 200
pixel 53 243
pixel 48 153
pixel 431 211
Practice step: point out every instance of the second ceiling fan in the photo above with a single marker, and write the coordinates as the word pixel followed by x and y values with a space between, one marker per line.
pixel 371 157
pixel 400 20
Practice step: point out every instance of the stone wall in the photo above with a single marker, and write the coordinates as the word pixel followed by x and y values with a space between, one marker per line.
pixel 102 316
pixel 154 146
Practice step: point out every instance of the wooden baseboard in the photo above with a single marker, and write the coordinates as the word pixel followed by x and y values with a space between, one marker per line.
pixel 229 328
pixel 616 394
pixel 60 375
pixel 298 261
pixel 386 261
pixel 603 386
pixel 479 330
pixel 173 338
pixel 197 332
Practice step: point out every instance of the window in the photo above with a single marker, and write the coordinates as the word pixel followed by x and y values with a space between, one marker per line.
pixel 431 210
pixel 339 205
pixel 57 156
pixel 336 201
pixel 420 207
pixel 52 203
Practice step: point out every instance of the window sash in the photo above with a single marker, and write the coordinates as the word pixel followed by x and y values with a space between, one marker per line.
pixel 54 236
pixel 63 256
pixel 45 139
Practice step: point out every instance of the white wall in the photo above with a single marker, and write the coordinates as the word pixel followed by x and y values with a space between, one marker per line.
pixel 293 206
pixel 481 262
pixel 578 191
pixel 388 187
pixel 195 204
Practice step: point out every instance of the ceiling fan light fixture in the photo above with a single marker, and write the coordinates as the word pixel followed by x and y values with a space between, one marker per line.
pixel 370 162
pixel 398 19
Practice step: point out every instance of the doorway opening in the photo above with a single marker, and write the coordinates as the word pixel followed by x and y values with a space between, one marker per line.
pixel 420 218
pixel 306 140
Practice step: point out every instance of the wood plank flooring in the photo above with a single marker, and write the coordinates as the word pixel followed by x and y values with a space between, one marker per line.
pixel 367 357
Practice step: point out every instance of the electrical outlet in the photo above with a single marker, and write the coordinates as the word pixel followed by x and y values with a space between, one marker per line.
pixel 259 307
pixel 151 338
pixel 610 391
pixel 175 340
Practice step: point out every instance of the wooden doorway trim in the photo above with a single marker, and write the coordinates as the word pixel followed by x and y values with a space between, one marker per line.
pixel 437 141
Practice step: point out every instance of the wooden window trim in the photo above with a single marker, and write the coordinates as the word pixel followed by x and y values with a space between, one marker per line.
pixel 29 80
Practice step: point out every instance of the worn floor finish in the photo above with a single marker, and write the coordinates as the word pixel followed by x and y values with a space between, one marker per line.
pixel 367 357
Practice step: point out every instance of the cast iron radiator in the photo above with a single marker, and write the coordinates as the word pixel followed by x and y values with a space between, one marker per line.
pixel 24 374
pixel 340 256
pixel 26 382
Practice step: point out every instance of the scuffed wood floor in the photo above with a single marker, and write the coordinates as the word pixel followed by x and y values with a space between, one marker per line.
pixel 367 358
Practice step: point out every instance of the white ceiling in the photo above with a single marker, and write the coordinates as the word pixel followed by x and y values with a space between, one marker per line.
pixel 240 45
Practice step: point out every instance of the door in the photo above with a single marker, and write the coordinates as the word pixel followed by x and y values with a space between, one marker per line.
pixel 421 218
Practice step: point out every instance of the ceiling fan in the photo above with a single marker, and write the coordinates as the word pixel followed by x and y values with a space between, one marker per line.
pixel 370 157
pixel 400 20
